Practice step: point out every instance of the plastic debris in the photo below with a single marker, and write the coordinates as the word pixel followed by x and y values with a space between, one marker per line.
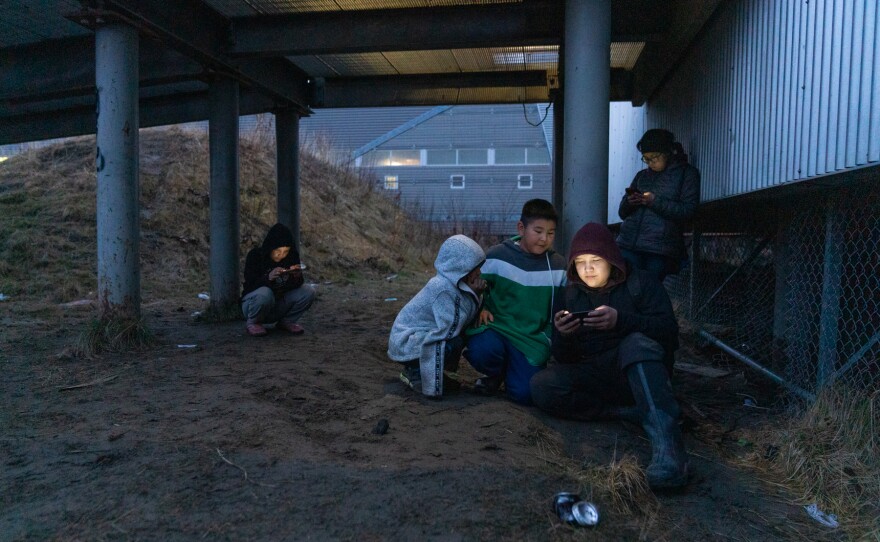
pixel 205 296
pixel 390 299
pixel 187 346
pixel 828 520
pixel 77 303
pixel 3 297
pixel 391 277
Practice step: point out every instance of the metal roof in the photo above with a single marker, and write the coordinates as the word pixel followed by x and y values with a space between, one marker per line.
pixel 310 54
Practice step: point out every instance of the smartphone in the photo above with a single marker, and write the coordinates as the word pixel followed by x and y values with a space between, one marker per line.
pixel 631 190
pixel 580 314
pixel 297 267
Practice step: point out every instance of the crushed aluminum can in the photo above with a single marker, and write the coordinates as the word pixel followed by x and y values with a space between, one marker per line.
pixel 572 509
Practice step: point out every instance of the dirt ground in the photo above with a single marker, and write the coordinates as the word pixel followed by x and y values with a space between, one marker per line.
pixel 238 438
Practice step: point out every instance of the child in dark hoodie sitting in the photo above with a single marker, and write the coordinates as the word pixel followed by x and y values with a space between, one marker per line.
pixel 427 334
pixel 614 341
pixel 273 285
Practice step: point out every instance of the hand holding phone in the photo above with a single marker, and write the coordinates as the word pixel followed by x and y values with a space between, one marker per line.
pixel 580 314
pixel 632 190
pixel 297 267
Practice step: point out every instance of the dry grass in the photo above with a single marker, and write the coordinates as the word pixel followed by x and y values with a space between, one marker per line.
pixel 623 482
pixel 112 335
pixel 830 454
pixel 48 218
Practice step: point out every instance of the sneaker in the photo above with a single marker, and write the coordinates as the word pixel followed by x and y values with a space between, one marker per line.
pixel 256 330
pixel 412 377
pixel 293 329
pixel 488 385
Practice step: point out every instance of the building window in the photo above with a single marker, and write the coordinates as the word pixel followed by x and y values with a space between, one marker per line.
pixel 392 158
pixel 510 156
pixel 405 158
pixel 441 157
pixel 537 156
pixel 456 182
pixel 473 156
pixel 391 182
pixel 523 182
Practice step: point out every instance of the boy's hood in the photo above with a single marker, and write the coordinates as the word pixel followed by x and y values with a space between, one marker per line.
pixel 279 236
pixel 457 256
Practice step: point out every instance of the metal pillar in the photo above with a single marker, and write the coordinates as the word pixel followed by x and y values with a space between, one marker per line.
pixel 287 170
pixel 561 244
pixel 223 142
pixel 118 190
pixel 587 95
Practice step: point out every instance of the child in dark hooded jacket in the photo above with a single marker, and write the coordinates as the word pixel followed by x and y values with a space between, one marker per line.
pixel 273 285
pixel 614 340
pixel 427 333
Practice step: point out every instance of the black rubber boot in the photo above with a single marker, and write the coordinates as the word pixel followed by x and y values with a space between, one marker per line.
pixel 659 410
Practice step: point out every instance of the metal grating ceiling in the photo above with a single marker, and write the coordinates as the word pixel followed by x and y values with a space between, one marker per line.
pixel 623 55
pixel 339 56
pixel 30 21
pixel 243 8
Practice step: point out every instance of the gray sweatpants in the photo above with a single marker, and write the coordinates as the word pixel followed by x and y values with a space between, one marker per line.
pixel 262 307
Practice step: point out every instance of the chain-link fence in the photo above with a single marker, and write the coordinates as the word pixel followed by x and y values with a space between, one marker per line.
pixel 792 292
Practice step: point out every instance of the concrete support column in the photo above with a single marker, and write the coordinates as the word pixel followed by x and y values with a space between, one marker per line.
pixel 287 170
pixel 558 147
pixel 586 89
pixel 223 141
pixel 118 189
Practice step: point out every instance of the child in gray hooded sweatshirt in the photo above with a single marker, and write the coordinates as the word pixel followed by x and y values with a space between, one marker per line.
pixel 427 333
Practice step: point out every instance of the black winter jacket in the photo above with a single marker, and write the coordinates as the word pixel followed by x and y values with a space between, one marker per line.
pixel 658 229
pixel 259 263
pixel 649 312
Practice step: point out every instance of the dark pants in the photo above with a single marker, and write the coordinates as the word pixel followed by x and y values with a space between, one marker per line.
pixel 586 389
pixel 656 264
pixel 451 355
pixel 492 354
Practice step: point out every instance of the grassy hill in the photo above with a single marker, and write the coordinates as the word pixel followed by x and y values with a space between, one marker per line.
pixel 48 218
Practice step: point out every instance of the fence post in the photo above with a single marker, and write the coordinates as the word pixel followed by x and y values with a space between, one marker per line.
pixel 829 314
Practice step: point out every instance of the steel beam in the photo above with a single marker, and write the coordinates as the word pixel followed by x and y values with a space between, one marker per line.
pixel 203 35
pixel 59 69
pixel 159 111
pixel 118 190
pixel 533 22
pixel 224 201
pixel 529 23
pixel 363 91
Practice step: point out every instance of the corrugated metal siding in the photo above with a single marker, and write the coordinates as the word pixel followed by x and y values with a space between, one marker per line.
pixel 777 92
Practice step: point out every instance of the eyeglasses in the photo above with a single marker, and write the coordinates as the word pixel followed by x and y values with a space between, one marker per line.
pixel 651 159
